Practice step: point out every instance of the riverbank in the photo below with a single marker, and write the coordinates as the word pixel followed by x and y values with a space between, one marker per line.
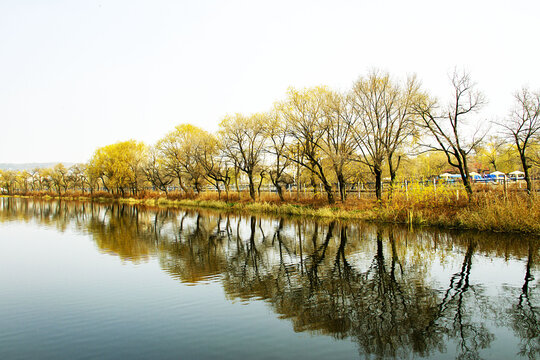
pixel 490 211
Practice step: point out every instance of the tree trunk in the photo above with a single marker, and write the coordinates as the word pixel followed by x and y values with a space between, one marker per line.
pixel 392 183
pixel 464 171
pixel 279 190
pixel 378 183
pixel 197 186
pixel 259 186
pixel 468 187
pixel 393 172
pixel 236 183
pixel 330 194
pixel 526 171
pixel 297 181
pixel 105 186
pixel 275 181
pixel 181 184
pixel 218 190
pixel 342 187
pixel 251 186
pixel 226 190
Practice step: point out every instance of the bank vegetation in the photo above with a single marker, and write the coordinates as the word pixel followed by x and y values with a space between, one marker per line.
pixel 374 151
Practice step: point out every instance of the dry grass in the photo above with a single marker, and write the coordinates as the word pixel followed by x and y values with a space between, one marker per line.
pixel 490 210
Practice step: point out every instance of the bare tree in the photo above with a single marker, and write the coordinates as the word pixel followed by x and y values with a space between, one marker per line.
pixel 384 122
pixel 448 126
pixel 244 137
pixel 369 98
pixel 523 127
pixel 400 129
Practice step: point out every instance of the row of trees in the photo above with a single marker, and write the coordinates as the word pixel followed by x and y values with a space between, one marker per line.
pixel 318 136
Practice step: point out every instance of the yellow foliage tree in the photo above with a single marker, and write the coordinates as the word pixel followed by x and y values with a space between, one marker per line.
pixel 244 139
pixel 119 166
pixel 179 152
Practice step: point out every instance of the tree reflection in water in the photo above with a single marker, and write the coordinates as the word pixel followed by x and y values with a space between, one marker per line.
pixel 524 314
pixel 375 285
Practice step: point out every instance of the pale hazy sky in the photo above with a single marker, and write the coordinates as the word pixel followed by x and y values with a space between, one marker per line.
pixel 77 75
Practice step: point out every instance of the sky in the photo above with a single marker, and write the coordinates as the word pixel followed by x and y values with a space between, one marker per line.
pixel 78 75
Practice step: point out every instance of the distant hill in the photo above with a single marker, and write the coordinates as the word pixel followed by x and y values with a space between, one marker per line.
pixel 30 166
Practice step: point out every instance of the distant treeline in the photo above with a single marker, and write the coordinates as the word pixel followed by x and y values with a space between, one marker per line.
pixel 29 166
pixel 328 141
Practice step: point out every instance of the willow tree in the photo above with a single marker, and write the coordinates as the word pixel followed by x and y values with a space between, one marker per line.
pixel 449 126
pixel 496 153
pixel 8 179
pixel 156 172
pixel 427 165
pixel 277 147
pixel 45 179
pixel 338 142
pixel 59 177
pixel 24 180
pixel 101 165
pixel 217 166
pixel 119 166
pixel 304 114
pixel 78 177
pixel 244 138
pixel 179 151
pixel 92 177
pixel 36 179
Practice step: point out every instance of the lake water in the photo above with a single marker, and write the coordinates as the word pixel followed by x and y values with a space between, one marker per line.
pixel 88 281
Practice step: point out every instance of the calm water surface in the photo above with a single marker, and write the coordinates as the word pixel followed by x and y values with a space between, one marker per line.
pixel 81 280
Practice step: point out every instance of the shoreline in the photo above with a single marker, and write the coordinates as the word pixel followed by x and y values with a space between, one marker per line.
pixel 492 217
